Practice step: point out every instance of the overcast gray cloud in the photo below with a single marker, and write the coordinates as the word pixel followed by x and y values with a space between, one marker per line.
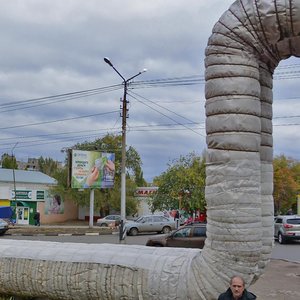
pixel 53 47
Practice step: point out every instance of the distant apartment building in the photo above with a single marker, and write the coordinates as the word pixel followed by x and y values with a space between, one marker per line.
pixel 32 164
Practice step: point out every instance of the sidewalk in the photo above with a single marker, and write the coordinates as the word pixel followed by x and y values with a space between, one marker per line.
pixel 70 228
pixel 281 281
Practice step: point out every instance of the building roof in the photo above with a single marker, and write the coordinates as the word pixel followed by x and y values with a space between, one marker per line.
pixel 21 176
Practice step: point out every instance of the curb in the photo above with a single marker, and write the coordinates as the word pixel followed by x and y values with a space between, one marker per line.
pixel 58 234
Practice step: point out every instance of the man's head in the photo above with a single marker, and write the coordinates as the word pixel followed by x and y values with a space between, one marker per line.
pixel 237 286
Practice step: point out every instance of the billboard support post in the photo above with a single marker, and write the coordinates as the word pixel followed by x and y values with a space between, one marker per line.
pixel 91 221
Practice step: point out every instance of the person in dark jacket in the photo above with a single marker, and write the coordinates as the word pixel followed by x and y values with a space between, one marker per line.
pixel 237 290
pixel 36 218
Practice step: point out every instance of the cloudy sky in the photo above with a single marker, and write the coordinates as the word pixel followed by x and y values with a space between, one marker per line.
pixel 56 90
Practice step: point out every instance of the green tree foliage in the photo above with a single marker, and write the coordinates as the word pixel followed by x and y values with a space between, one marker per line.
pixel 9 162
pixel 286 183
pixel 105 200
pixel 181 185
pixel 139 179
pixel 133 160
pixel 48 166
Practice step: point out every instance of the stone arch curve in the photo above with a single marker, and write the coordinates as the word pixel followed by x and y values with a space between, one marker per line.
pixel 247 44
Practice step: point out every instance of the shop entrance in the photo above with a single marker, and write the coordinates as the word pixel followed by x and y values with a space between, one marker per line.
pixel 22 215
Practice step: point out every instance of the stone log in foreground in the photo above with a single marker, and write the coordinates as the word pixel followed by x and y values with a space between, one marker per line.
pixel 97 271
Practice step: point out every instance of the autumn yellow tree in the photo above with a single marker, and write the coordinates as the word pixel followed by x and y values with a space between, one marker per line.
pixel 286 183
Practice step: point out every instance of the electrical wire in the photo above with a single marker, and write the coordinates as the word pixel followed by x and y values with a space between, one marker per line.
pixel 175 81
pixel 165 82
pixel 59 120
pixel 165 115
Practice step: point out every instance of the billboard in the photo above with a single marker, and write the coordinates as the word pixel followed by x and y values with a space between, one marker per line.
pixel 91 169
pixel 54 205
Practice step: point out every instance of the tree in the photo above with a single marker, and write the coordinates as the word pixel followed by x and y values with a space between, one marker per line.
pixel 182 185
pixel 286 183
pixel 106 200
pixel 47 166
pixel 9 161
pixel 139 179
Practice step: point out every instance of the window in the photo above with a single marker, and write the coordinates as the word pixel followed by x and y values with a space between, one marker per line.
pixel 147 220
pixel 293 221
pixel 200 231
pixel 159 219
pixel 184 232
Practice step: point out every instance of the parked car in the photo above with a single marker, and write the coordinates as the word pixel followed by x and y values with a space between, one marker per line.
pixel 109 220
pixel 287 228
pixel 197 219
pixel 3 226
pixel 189 236
pixel 150 223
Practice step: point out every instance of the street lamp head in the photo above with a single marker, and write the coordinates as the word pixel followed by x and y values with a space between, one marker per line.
pixel 106 59
pixel 144 70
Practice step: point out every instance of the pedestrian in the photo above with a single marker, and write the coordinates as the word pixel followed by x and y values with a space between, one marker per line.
pixel 290 212
pixel 237 290
pixel 176 219
pixel 36 218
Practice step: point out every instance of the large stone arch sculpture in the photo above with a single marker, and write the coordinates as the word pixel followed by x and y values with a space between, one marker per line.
pixel 247 44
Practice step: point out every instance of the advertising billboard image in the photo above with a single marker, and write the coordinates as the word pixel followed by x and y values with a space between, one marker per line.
pixel 54 205
pixel 91 169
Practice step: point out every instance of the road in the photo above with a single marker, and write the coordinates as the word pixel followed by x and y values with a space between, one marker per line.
pixel 88 239
pixel 289 252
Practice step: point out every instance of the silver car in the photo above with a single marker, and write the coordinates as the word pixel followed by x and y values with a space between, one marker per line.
pixel 110 220
pixel 150 223
pixel 3 226
pixel 287 228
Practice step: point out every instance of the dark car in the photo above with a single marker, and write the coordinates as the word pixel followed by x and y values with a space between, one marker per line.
pixel 3 226
pixel 189 236
pixel 287 228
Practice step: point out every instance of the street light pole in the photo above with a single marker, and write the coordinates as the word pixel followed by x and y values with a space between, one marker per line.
pixel 14 176
pixel 123 158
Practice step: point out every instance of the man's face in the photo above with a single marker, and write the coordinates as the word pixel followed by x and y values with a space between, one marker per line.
pixel 237 287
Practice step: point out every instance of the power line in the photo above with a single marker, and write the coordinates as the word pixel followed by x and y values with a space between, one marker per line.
pixel 59 120
pixel 164 82
pixel 25 104
pixel 165 115
pixel 146 128
pixel 175 81
pixel 65 95
pixel 160 106
pixel 286 117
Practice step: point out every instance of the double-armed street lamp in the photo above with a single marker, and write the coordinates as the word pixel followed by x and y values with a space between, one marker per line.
pixel 123 159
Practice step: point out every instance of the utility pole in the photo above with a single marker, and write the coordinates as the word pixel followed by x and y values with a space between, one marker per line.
pixel 123 162
pixel 14 176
